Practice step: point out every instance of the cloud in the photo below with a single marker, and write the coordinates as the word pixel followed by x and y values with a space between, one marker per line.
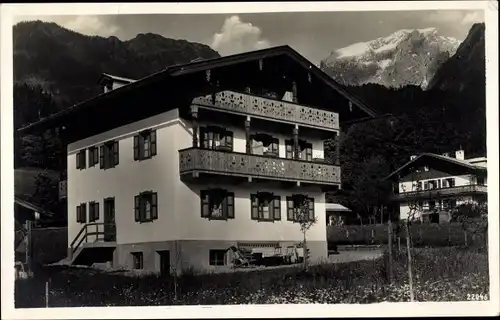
pixel 237 36
pixel 461 17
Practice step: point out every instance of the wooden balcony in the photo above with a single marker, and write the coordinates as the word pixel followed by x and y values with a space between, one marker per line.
pixel 441 193
pixel 265 108
pixel 193 161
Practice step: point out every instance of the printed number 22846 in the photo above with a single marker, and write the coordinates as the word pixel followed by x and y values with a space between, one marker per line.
pixel 477 297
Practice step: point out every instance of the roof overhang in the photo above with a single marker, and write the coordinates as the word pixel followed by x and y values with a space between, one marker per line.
pixel 439 162
pixel 172 81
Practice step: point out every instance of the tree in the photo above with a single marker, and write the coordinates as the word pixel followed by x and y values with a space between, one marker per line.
pixel 305 221
pixel 473 216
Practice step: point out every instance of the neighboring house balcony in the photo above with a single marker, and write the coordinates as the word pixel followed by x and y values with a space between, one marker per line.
pixel 199 164
pixel 450 192
pixel 258 107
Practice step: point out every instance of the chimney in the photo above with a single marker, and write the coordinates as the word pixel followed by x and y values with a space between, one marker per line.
pixel 460 155
pixel 412 158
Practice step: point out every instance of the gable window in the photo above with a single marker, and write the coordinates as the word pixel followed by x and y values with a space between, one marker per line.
pixel 426 185
pixel 265 144
pixel 80 160
pixel 137 260
pixel 217 257
pixel 293 207
pixel 93 211
pixel 217 204
pixel 216 138
pixel 146 206
pixel 109 156
pixel 265 207
pixel 81 213
pixel 450 182
pixel 93 156
pixel 145 145
pixel 480 180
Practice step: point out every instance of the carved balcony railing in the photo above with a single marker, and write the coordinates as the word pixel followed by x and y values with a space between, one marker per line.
pixel 441 192
pixel 282 111
pixel 248 165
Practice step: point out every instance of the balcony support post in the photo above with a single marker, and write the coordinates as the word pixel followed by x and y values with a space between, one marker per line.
pixel 337 148
pixel 296 142
pixel 294 92
pixel 247 136
pixel 194 115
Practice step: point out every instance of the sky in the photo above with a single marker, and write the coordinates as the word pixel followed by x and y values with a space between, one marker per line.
pixel 313 34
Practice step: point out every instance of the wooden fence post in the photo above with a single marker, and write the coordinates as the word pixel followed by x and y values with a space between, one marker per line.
pixel 389 243
pixel 465 237
pixel 399 243
pixel 410 276
pixel 46 294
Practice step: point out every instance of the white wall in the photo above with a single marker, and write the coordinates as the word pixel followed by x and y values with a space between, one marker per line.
pixel 128 179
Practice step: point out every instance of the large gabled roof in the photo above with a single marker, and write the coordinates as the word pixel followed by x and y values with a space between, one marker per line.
pixel 436 158
pixel 203 65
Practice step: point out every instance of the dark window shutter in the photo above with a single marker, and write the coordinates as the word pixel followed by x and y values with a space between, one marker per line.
pixel 229 139
pixel 84 212
pixel 230 205
pixel 153 143
pixel 96 212
pixel 289 209
pixel 289 149
pixel 116 153
pixel 91 157
pixel 91 212
pixel 277 207
pixel 137 208
pixel 154 206
pixel 224 206
pixel 136 147
pixel 309 152
pixel 255 207
pixel 101 156
pixel 205 204
pixel 311 208
pixel 78 214
pixel 84 158
pixel 96 155
pixel 275 146
pixel 78 160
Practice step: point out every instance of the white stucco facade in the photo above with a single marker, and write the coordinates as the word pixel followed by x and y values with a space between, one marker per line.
pixel 178 202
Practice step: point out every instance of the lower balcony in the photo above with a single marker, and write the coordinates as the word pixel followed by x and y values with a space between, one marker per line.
pixel 442 193
pixel 195 162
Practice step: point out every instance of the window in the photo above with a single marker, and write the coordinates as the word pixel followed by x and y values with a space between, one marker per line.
pixel 293 204
pixel 426 185
pixel 264 144
pixel 146 206
pixel 451 182
pixel 217 204
pixel 137 260
pixel 289 149
pixel 93 211
pixel 109 156
pixel 305 150
pixel 93 156
pixel 265 207
pixel 81 213
pixel 217 257
pixel 80 160
pixel 216 138
pixel 145 145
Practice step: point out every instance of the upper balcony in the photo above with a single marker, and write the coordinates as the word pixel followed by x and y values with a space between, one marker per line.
pixel 441 193
pixel 197 162
pixel 266 108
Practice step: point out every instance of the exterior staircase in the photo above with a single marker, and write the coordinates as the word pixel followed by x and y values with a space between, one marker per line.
pixel 95 243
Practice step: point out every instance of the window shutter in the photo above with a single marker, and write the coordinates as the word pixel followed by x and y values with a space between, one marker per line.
pixel 96 155
pixel 96 211
pixel 229 139
pixel 289 209
pixel 136 147
pixel 311 209
pixel 205 204
pixel 101 156
pixel 203 137
pixel 277 207
pixel 91 157
pixel 78 160
pixel 289 149
pixel 115 153
pixel 153 143
pixel 255 207
pixel 224 206
pixel 309 152
pixel 84 212
pixel 230 205
pixel 91 212
pixel 137 208
pixel 275 146
pixel 154 206
pixel 78 214
pixel 83 159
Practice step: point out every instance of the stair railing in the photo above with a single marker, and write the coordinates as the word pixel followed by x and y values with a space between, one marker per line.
pixel 85 233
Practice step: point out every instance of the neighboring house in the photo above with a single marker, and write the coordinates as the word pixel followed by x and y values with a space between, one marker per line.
pixel 432 185
pixel 175 169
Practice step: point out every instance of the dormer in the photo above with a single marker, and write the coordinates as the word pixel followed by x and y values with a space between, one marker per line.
pixel 110 82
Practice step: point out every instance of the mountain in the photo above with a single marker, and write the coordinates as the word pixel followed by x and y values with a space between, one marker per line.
pixel 67 64
pixel 406 57
pixel 466 68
